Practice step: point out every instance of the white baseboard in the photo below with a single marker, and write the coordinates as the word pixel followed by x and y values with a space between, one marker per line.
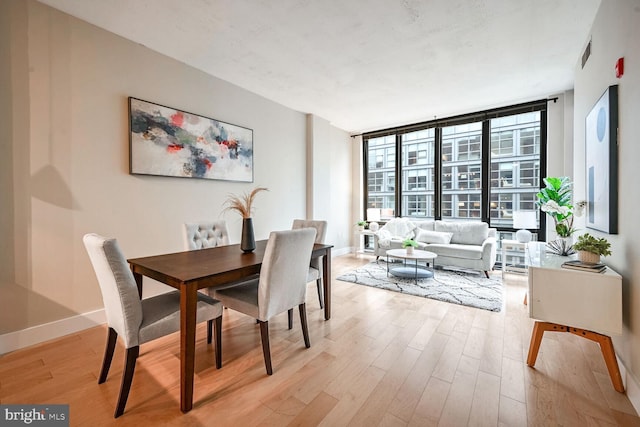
pixel 341 251
pixel 631 386
pixel 48 331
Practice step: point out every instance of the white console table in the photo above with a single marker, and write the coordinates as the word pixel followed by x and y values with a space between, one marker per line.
pixel 586 304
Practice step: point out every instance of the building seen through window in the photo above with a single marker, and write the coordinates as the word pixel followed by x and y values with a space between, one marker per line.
pixel 436 171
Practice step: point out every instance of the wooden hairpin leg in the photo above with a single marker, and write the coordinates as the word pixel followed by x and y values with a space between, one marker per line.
pixel 606 347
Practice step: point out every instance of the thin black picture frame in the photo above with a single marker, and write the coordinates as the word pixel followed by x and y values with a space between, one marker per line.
pixel 601 163
pixel 165 141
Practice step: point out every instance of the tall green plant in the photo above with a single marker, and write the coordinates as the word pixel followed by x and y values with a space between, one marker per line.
pixel 555 200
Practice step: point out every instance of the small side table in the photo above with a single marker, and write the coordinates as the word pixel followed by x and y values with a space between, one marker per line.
pixel 512 249
pixel 361 236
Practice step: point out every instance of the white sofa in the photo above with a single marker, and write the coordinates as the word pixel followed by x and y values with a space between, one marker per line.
pixel 466 244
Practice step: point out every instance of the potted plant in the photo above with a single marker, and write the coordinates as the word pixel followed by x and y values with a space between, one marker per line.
pixel 361 225
pixel 409 244
pixel 244 206
pixel 555 200
pixel 590 248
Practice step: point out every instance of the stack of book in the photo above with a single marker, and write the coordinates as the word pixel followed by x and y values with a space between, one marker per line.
pixel 583 266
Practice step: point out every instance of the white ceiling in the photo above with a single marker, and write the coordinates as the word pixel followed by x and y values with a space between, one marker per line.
pixel 365 64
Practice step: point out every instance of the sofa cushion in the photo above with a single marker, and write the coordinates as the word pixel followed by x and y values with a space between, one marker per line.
pixel 456 251
pixel 465 233
pixel 424 225
pixel 427 236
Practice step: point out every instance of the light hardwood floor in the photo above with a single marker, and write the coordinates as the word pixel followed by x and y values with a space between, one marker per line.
pixel 383 359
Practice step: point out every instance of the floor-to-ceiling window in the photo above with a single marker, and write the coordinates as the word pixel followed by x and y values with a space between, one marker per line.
pixel 417 171
pixel 515 166
pixel 462 171
pixel 480 166
pixel 380 173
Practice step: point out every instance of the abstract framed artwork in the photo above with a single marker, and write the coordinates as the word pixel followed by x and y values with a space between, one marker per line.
pixel 601 157
pixel 165 141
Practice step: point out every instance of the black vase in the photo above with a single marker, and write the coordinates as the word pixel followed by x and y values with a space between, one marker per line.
pixel 248 241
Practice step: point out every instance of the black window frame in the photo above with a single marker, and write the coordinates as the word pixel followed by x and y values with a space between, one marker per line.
pixel 438 124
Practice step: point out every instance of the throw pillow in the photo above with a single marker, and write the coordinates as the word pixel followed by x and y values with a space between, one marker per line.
pixel 427 236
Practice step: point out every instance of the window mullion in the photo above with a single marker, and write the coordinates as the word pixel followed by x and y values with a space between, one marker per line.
pixel 437 178
pixel 399 184
pixel 485 172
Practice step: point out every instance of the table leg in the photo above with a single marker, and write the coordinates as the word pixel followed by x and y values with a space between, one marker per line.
pixel 609 354
pixel 387 265
pixel 606 347
pixel 188 305
pixel 138 278
pixel 326 283
pixel 534 345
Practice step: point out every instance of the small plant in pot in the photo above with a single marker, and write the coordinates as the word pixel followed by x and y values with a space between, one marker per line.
pixel 590 248
pixel 409 244
pixel 361 225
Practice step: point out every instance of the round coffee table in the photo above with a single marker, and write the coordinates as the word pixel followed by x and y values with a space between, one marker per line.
pixel 411 270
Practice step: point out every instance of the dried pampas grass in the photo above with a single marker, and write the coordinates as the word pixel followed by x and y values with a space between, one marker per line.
pixel 243 204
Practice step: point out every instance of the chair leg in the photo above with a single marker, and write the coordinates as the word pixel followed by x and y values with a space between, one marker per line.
pixel 320 291
pixel 112 336
pixel 218 342
pixel 290 318
pixel 209 330
pixel 264 334
pixel 303 321
pixel 127 377
pixel 486 273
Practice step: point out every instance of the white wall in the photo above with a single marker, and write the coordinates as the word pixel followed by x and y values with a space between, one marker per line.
pixel 615 34
pixel 329 183
pixel 559 142
pixel 357 176
pixel 68 134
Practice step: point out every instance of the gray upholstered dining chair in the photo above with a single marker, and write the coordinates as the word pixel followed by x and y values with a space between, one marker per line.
pixel 205 234
pixel 208 234
pixel 315 267
pixel 138 321
pixel 281 285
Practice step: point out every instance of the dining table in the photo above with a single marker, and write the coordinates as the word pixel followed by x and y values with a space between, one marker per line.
pixel 208 268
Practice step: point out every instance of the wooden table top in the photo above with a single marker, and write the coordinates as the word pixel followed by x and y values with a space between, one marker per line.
pixel 213 265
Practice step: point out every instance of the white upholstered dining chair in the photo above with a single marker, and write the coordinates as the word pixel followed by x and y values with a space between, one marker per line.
pixel 281 286
pixel 138 321
pixel 315 266
pixel 208 234
pixel 203 235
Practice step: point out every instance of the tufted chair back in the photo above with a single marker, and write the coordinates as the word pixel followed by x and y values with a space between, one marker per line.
pixel 205 235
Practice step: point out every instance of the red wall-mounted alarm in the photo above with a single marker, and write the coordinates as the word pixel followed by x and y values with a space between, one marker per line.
pixel 619 67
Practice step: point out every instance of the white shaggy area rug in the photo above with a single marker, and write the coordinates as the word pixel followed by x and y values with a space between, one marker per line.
pixel 472 289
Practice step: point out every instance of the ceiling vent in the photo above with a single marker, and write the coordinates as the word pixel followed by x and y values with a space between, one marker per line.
pixel 586 54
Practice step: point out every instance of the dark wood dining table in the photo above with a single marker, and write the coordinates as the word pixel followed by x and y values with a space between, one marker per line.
pixel 192 270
